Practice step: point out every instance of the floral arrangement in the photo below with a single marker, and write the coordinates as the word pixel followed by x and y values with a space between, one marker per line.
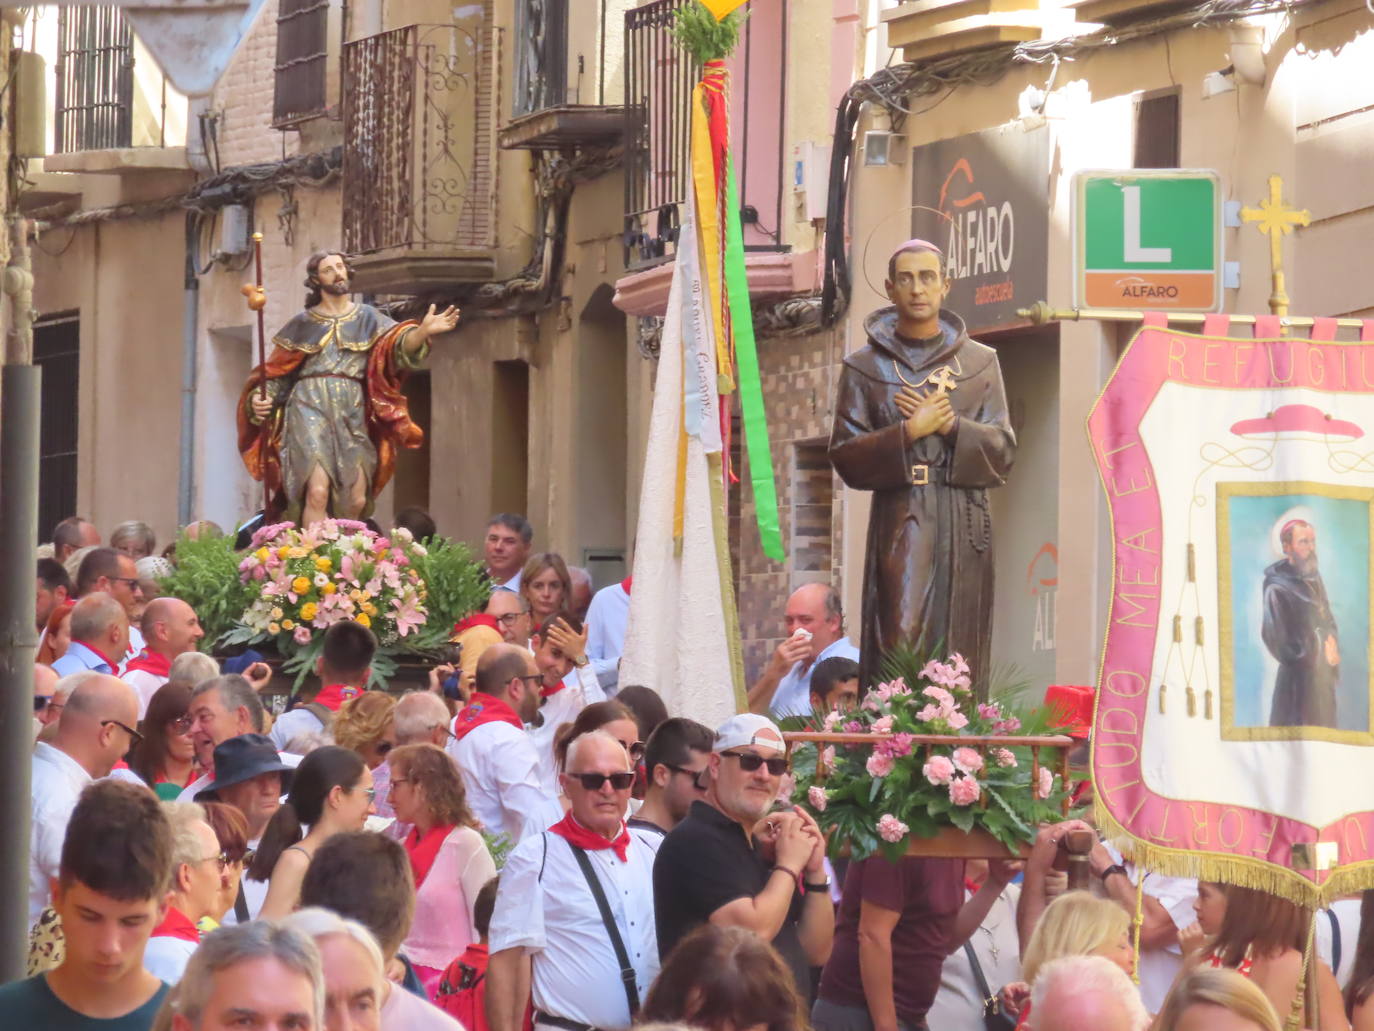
pixel 875 797
pixel 306 580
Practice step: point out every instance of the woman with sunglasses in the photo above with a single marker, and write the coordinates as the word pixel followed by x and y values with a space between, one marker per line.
pixel 231 829
pixel 448 856
pixel 331 793
pixel 165 758
pixel 365 725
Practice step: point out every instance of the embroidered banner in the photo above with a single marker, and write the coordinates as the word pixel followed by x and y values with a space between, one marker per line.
pixel 1234 720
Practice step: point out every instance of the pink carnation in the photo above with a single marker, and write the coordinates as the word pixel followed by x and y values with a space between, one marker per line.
pixel 831 718
pixel 1046 784
pixel 929 713
pixel 817 797
pixel 938 770
pixel 989 711
pixel 301 634
pixel 943 697
pixel 900 744
pixel 872 703
pixel 892 829
pixel 882 725
pixel 964 791
pixel 1010 725
pixel 1003 757
pixel 853 727
pixel 968 760
pixel 828 756
pixel 879 765
pixel 956 720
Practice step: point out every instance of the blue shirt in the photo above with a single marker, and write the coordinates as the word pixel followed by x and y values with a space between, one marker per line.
pixel 793 694
pixel 79 657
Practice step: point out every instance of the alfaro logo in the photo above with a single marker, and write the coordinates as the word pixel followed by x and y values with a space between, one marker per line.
pixel 989 195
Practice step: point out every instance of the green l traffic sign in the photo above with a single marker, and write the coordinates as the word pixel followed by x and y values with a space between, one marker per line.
pixel 1147 239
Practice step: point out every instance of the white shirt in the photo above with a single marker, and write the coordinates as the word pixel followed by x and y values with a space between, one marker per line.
pixel 166 957
pixel 136 645
pixel 580 690
pixel 1159 967
pixel 607 617
pixel 406 1011
pixel 254 893
pixel 500 769
pixel 58 781
pixel 290 725
pixel 145 684
pixel 793 694
pixel 958 1005
pixel 513 584
pixel 1347 912
pixel 555 919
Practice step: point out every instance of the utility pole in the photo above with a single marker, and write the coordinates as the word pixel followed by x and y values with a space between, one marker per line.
pixel 19 401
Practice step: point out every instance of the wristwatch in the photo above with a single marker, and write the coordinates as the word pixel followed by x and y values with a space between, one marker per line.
pixel 811 886
pixel 1114 868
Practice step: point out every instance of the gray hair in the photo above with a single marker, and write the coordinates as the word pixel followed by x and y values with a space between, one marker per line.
pixel 575 745
pixel 192 668
pixel 94 615
pixel 239 943
pixel 186 846
pixel 416 714
pixel 134 532
pixel 1080 978
pixel 318 922
pixel 236 693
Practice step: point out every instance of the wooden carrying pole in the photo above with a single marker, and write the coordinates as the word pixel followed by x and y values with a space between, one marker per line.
pixel 257 302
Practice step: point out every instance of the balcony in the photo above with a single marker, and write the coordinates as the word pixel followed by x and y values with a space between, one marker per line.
pixel 418 179
pixel 550 110
pixel 924 29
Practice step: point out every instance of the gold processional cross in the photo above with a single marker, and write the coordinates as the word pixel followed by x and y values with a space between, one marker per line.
pixel 1276 220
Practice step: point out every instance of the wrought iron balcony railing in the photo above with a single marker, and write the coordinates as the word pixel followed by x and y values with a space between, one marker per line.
pixel 418 170
pixel 658 91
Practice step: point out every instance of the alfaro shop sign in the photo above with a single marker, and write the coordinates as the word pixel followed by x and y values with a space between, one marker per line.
pixel 987 196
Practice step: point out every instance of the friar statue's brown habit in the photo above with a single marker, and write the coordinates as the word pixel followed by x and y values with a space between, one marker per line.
pixel 928 571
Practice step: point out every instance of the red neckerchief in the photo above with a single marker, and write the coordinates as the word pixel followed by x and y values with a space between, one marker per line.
pixel 177 924
pixel 575 834
pixel 549 692
pixel 476 619
pixel 424 849
pixel 971 886
pixel 332 696
pixel 626 583
pixel 100 655
pixel 149 662
pixel 480 710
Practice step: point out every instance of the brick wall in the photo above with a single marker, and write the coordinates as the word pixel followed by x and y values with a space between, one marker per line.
pixel 243 99
pixel 799 377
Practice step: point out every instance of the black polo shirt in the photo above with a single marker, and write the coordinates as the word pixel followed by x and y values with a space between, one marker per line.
pixel 706 862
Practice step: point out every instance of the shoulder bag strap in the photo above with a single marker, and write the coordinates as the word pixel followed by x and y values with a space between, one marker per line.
pixel 1335 940
pixel 241 906
pixel 627 972
pixel 978 976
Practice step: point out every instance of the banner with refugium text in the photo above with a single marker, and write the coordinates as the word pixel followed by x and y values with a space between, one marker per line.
pixel 1233 732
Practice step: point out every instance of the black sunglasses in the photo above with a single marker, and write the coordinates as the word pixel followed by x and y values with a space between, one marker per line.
pixel 594 781
pixel 134 735
pixel 41 702
pixel 749 762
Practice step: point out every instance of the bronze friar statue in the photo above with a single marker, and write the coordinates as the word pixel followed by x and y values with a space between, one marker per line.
pixel 921 421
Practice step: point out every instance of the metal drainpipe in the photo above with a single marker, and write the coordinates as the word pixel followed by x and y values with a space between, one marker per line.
pixel 20 394
pixel 189 324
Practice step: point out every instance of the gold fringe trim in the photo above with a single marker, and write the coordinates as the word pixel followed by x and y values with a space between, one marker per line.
pixel 1245 871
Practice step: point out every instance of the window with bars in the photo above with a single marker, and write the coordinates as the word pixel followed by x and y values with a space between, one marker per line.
pixel 93 107
pixel 302 61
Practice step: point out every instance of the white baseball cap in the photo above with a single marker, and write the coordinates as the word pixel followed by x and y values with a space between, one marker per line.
pixel 749 728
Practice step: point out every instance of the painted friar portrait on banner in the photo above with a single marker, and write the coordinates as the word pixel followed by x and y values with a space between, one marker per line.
pixel 1234 703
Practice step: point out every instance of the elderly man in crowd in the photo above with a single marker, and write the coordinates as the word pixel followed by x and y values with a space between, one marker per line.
pixel 495 755
pixel 259 975
pixel 53 588
pixel 581 579
pixel 170 628
pixel 221 708
pixel 1085 993
pixel 511 611
pixel 197 870
pixel 100 636
pixel 815 626
pixel 71 535
pixel 47 706
pixel 251 777
pixel 115 574
pixel 574 910
pixel 94 731
pixel 708 870
pixel 507 546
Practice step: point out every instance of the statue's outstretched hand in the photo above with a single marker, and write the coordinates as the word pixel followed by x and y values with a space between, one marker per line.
pixel 439 321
